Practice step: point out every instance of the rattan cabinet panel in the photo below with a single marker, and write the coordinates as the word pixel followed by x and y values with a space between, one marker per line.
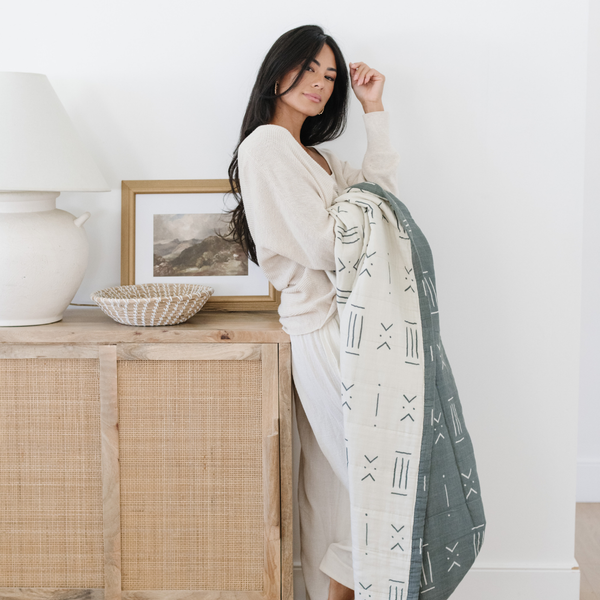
pixel 133 465
pixel 190 455
pixel 51 530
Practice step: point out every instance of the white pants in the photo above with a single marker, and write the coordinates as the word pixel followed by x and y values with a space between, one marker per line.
pixel 323 499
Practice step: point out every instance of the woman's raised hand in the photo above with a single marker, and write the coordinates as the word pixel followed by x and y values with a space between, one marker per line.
pixel 367 85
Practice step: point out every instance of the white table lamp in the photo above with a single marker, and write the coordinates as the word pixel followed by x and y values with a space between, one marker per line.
pixel 43 250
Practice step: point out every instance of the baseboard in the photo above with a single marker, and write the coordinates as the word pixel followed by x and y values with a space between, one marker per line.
pixel 299 589
pixel 588 481
pixel 517 582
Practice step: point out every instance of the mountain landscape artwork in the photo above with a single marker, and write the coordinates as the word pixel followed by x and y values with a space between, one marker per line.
pixel 189 245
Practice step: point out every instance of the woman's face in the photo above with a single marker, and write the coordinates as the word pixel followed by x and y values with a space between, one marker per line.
pixel 314 88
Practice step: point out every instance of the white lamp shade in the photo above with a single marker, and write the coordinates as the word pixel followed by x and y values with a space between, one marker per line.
pixel 39 147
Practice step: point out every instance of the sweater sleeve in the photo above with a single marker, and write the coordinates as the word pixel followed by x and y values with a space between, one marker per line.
pixel 381 160
pixel 286 215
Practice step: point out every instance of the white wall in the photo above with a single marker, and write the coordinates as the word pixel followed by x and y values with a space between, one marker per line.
pixel 588 479
pixel 488 102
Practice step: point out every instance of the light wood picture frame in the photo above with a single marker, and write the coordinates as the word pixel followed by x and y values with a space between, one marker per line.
pixel 138 199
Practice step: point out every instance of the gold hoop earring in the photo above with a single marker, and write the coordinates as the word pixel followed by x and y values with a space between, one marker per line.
pixel 276 86
pixel 321 112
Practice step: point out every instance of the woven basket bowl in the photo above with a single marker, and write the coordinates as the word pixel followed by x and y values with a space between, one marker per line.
pixel 152 304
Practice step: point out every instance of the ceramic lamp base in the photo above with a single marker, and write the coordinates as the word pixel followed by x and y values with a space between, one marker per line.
pixel 44 252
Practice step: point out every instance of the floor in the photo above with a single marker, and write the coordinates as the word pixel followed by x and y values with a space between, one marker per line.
pixel 587 548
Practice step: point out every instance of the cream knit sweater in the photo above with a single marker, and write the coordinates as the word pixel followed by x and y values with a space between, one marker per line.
pixel 287 195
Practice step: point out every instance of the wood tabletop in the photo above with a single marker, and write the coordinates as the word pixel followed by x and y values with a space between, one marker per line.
pixel 90 326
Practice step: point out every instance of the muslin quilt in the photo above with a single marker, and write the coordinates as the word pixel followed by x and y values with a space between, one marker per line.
pixel 417 515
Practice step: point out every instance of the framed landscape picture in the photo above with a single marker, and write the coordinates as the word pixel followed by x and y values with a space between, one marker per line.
pixel 176 231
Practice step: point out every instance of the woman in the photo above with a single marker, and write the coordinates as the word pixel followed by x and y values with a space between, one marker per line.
pixel 284 189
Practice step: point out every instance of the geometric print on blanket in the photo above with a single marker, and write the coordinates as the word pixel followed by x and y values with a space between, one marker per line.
pixel 403 420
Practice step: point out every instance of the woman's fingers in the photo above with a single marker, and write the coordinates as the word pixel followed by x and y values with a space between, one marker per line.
pixel 367 83
pixel 357 70
pixel 361 73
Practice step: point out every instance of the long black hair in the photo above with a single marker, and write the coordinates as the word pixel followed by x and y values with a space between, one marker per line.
pixel 296 47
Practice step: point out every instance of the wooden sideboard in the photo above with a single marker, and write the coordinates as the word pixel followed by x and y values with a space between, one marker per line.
pixel 146 462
